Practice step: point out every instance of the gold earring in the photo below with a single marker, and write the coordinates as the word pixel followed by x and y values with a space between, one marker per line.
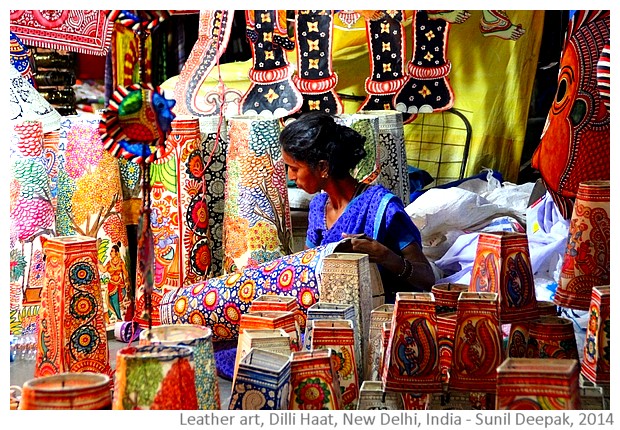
pixel 324 175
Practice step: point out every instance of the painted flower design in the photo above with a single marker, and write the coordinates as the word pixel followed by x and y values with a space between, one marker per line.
pixel 306 297
pixel 232 313
pixel 198 216
pixel 84 340
pixel 210 300
pixel 221 331
pixel 196 317
pixel 246 291
pixel 180 306
pixel 285 280
pixel 312 393
pixel 81 273
pixel 201 257
pixel 82 306
pixel 195 165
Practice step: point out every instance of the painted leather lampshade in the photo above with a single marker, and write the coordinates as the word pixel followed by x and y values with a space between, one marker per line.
pixel 446 327
pixel 447 296
pixel 339 336
pixel 272 340
pixel 587 257
pixel 314 381
pixel 373 397
pixel 257 219
pixel 330 311
pixel 386 328
pixel 346 279
pixel 552 337
pixel 72 333
pixel 273 320
pixel 275 302
pixel 378 316
pixel 199 339
pixel 155 377
pixel 180 217
pixel 393 173
pixel 478 346
pixel 502 265
pixel 595 364
pixel 412 356
pixel 67 391
pixel 219 302
pixel 519 335
pixel 262 381
pixel 538 384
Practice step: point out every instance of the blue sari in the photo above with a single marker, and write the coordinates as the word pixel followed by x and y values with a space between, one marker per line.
pixel 375 212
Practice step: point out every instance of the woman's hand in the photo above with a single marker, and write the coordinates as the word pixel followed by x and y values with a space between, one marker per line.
pixel 377 252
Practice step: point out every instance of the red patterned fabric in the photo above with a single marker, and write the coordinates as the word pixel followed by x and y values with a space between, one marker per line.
pixel 83 31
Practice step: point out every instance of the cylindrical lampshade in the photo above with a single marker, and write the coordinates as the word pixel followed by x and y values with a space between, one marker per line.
pixel 199 339
pixel 155 377
pixel 220 302
pixel 67 391
pixel 587 256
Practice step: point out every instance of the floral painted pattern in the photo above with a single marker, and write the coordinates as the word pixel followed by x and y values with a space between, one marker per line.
pixel 220 301
pixel 256 195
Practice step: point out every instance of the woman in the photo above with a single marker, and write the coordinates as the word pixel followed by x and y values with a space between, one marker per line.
pixel 320 154
pixel 118 284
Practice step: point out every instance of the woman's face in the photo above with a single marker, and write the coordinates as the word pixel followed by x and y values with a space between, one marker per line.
pixel 305 177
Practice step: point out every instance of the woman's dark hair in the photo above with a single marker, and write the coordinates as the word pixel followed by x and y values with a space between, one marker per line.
pixel 316 136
